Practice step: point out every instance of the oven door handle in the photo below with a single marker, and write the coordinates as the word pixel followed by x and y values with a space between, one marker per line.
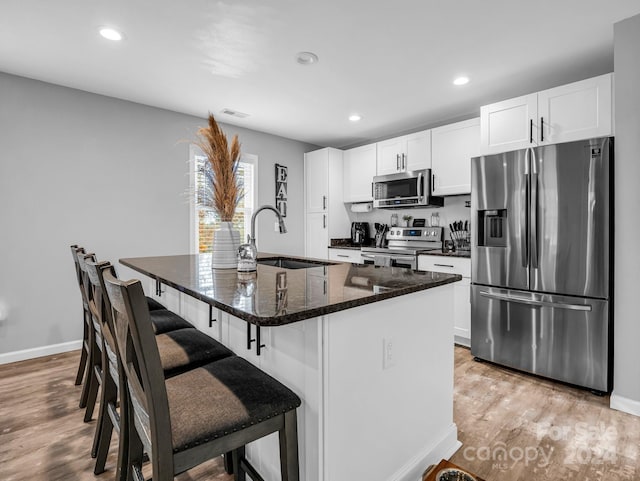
pixel 403 258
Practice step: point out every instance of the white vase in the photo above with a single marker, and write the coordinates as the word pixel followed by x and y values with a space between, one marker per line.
pixel 224 252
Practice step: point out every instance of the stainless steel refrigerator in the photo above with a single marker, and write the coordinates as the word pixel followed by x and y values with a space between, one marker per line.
pixel 541 261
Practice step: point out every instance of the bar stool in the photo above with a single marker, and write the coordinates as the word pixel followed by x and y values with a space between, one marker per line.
pixel 84 354
pixel 198 415
pixel 86 320
pixel 163 319
pixel 180 350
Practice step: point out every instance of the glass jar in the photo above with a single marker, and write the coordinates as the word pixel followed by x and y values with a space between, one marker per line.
pixel 394 220
pixel 435 219
pixel 247 258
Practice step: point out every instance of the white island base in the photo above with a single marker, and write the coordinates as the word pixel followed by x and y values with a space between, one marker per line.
pixel 376 383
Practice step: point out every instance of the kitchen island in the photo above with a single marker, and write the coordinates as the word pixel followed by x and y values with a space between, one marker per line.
pixel 368 349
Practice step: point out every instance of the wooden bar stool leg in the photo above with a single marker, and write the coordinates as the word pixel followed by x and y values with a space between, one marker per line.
pixel 122 469
pixel 83 354
pixel 88 375
pixel 104 428
pixel 238 455
pixel 289 448
pixel 92 384
pixel 135 451
pixel 228 462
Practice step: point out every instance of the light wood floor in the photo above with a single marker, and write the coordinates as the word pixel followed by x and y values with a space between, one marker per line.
pixel 548 431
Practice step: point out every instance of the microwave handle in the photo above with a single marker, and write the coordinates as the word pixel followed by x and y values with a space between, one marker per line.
pixel 420 186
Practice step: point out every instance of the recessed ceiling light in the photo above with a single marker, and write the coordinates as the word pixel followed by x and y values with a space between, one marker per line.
pixel 354 117
pixel 461 81
pixel 111 34
pixel 306 58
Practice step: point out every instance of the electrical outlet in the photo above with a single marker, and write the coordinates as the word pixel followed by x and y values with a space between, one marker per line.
pixel 388 354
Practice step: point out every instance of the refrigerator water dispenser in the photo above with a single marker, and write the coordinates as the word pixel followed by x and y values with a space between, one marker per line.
pixel 492 230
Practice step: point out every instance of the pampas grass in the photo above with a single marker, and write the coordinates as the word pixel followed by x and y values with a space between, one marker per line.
pixel 222 190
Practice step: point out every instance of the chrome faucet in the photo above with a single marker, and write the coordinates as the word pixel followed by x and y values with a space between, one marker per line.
pixel 252 236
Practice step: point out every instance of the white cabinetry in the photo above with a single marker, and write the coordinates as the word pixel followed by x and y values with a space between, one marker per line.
pixel 575 111
pixel 345 255
pixel 406 153
pixel 325 213
pixel 462 291
pixel 359 169
pixel 580 110
pixel 452 147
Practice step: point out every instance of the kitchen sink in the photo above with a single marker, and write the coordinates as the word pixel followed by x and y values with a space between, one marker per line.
pixel 289 263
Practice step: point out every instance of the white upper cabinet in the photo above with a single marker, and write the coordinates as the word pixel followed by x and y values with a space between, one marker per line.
pixel 401 154
pixel 579 110
pixel 418 151
pixel 316 174
pixel 508 125
pixel 452 147
pixel 359 170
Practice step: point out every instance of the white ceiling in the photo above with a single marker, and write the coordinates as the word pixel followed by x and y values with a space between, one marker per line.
pixel 391 62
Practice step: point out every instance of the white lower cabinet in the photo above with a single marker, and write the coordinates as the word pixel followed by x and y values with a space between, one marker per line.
pixel 345 255
pixel 462 291
pixel 315 359
pixel 317 235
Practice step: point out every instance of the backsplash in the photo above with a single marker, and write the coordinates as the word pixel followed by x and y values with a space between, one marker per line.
pixel 453 210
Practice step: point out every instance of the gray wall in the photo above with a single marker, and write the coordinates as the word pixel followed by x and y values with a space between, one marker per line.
pixel 627 204
pixel 107 174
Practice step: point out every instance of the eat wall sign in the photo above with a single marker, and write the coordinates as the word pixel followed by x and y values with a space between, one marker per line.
pixel 281 189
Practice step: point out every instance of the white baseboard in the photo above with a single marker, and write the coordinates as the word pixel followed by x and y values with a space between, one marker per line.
pixel 15 356
pixel 620 403
pixel 442 448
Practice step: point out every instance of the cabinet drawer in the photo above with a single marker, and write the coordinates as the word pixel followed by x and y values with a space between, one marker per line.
pixel 345 255
pixel 453 265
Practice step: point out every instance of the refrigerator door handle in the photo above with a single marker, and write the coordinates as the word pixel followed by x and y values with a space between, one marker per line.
pixel 533 216
pixel 534 302
pixel 524 234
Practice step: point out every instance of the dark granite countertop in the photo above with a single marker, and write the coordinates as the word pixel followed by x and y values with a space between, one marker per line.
pixel 440 252
pixel 347 244
pixel 275 296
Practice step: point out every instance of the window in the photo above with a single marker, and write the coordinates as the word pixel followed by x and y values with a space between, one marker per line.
pixel 204 220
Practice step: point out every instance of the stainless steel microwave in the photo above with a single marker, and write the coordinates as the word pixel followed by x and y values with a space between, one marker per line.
pixel 405 189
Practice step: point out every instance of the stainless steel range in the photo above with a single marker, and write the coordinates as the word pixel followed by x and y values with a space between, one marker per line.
pixel 403 245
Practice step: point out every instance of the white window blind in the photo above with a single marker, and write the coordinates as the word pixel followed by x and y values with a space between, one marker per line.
pixel 206 219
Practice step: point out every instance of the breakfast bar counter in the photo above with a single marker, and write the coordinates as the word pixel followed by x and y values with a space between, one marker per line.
pixel 274 296
pixel 369 350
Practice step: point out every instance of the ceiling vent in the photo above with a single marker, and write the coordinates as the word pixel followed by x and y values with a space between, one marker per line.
pixel 234 113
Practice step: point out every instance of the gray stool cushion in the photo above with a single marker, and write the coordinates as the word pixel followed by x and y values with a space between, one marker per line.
pixel 164 320
pixel 185 349
pixel 154 305
pixel 231 395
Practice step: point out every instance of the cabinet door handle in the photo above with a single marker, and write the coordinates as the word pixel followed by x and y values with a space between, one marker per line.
pixel 404 162
pixel 443 265
pixel 531 131
pixel 324 221
pixel 324 202
pixel 341 255
pixel 541 129
pixel 397 161
pixel 372 190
